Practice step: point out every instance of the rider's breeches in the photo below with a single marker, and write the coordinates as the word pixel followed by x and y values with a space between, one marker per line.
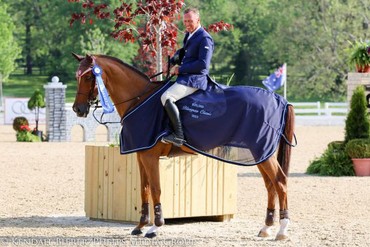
pixel 177 92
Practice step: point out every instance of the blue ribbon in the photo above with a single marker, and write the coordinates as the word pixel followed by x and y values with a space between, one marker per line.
pixel 103 94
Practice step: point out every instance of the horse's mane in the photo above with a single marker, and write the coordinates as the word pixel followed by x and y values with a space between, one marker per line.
pixel 125 64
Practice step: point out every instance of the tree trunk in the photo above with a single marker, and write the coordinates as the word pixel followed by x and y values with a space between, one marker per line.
pixel 159 54
pixel 28 50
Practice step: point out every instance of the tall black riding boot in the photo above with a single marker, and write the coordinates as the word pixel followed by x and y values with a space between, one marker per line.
pixel 177 137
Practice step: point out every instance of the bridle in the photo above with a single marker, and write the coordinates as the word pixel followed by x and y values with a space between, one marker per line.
pixel 88 95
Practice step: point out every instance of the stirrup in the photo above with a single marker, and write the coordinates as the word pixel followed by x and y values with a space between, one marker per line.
pixel 173 139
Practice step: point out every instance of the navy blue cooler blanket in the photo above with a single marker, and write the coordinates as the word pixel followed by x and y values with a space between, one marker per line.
pixel 240 125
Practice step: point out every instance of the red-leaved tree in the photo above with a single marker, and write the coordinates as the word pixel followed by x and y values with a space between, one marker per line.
pixel 151 23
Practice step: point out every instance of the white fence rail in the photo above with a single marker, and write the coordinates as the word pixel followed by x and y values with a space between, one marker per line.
pixel 316 108
pixel 307 113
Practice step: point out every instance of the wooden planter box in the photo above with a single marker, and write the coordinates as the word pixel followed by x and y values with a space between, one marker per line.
pixel 192 186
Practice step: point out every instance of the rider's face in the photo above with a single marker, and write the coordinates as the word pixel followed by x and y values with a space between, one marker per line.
pixel 191 21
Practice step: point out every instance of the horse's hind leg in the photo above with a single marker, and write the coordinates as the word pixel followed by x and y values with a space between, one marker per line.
pixel 279 180
pixel 145 192
pixel 271 199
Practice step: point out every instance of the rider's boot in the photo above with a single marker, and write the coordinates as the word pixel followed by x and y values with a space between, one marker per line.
pixel 177 137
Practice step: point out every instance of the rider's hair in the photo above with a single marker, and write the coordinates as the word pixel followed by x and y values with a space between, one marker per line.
pixel 192 9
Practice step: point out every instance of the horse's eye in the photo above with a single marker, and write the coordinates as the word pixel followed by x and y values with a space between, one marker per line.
pixel 89 78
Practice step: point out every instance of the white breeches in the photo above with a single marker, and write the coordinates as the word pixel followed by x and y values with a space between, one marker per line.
pixel 177 92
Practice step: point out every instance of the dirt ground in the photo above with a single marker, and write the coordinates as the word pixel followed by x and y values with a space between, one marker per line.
pixel 42 201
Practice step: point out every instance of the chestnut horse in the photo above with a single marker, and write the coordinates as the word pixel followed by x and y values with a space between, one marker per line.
pixel 129 87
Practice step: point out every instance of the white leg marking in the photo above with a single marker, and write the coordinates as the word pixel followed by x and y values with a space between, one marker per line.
pixel 283 231
pixel 265 232
pixel 153 229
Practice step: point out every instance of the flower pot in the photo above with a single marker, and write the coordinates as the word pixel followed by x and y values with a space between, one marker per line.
pixel 361 166
pixel 39 134
pixel 363 69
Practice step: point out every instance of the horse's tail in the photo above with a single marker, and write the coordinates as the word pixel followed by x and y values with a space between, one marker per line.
pixel 285 145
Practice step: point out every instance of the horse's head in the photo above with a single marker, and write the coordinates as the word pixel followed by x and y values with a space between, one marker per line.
pixel 86 88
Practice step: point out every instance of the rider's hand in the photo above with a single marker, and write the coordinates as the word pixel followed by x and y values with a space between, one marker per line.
pixel 175 70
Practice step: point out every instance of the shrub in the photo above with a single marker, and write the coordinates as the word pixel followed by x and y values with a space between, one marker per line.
pixel 358 148
pixel 18 122
pixel 334 162
pixel 25 135
pixel 357 122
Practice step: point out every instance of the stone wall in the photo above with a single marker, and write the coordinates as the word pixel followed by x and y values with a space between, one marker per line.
pixel 355 79
pixel 89 124
pixel 55 94
pixel 60 118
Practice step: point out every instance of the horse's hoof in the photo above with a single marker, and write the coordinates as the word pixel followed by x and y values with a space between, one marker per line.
pixel 136 231
pixel 281 237
pixel 151 235
pixel 263 234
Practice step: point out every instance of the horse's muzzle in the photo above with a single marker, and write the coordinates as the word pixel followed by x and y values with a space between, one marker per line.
pixel 81 110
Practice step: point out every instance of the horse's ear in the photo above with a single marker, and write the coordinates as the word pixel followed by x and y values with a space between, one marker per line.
pixel 89 58
pixel 78 57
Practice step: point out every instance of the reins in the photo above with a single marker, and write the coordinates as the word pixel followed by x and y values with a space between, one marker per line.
pixel 290 143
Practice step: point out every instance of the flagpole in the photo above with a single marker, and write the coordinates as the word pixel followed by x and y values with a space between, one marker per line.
pixel 286 81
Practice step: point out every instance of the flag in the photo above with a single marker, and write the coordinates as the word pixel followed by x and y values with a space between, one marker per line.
pixel 276 79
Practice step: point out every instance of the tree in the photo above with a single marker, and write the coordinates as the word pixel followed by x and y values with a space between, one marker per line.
pixel 28 14
pixel 312 37
pixel 9 48
pixel 357 122
pixel 35 103
pixel 151 23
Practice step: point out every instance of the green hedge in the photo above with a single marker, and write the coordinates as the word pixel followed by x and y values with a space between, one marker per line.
pixel 333 162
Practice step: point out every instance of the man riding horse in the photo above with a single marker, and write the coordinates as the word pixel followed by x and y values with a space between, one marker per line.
pixel 192 64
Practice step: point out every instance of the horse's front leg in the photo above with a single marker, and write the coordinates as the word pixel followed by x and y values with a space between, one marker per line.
pixel 151 164
pixel 145 192
pixel 271 199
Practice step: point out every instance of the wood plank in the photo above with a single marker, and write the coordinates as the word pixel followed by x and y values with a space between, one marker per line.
pixel 188 182
pixel 182 187
pixel 128 197
pixel 111 151
pixel 230 189
pixel 176 188
pixel 101 183
pixel 209 182
pixel 95 182
pixel 119 191
pixel 135 192
pixel 88 179
pixel 199 187
pixel 105 182
pixel 167 167
pixel 220 187
pixel 214 187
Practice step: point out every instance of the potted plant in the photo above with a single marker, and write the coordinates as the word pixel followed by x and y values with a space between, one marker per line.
pixel 35 103
pixel 359 151
pixel 24 134
pixel 360 56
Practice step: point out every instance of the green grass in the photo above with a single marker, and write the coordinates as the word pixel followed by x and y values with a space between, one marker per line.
pixel 23 86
